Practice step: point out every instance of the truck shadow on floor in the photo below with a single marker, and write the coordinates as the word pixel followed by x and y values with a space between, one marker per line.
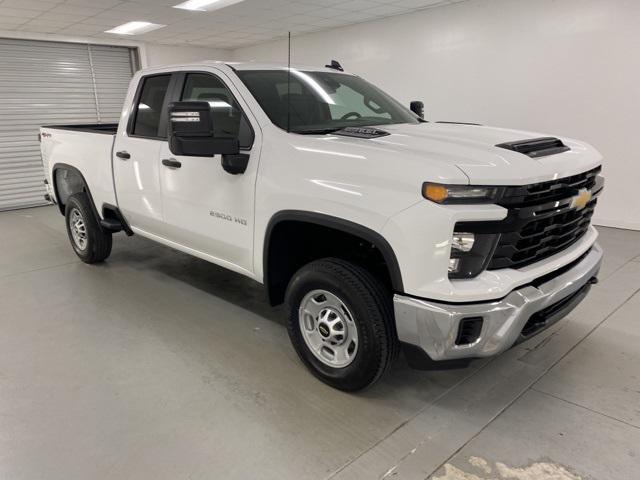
pixel 155 259
pixel 197 273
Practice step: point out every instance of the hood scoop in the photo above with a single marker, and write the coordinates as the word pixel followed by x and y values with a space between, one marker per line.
pixel 361 132
pixel 536 147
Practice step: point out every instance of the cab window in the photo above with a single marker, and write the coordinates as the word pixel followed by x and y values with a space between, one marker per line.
pixel 228 119
pixel 149 106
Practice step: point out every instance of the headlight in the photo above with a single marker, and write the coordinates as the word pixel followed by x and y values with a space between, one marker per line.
pixel 448 194
pixel 470 253
pixel 462 242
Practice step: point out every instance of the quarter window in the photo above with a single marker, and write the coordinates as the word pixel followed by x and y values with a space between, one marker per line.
pixel 149 107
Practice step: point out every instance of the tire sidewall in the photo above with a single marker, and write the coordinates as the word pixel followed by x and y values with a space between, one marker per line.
pixel 364 369
pixel 79 202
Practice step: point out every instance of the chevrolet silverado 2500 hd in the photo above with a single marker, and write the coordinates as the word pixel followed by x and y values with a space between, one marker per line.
pixel 379 230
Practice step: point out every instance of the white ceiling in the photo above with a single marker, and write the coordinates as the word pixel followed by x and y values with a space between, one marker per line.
pixel 246 23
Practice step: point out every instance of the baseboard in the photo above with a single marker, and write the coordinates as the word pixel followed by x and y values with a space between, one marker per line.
pixel 607 222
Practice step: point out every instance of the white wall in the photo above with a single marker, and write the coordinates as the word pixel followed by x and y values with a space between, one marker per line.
pixel 165 54
pixel 566 67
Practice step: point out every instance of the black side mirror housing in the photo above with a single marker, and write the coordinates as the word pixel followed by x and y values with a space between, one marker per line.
pixel 417 107
pixel 235 164
pixel 191 132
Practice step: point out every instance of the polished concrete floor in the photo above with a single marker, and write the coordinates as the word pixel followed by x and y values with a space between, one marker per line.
pixel 156 365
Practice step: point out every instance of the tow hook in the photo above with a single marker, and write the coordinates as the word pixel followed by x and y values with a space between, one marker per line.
pixel 593 281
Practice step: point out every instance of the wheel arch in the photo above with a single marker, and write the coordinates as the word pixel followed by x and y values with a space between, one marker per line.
pixel 74 182
pixel 276 277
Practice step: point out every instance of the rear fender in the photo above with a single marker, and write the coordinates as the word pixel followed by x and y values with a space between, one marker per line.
pixel 68 180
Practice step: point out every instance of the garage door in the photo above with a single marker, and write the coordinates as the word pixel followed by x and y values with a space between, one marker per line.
pixel 48 83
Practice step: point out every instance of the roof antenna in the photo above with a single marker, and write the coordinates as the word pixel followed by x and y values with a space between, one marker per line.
pixel 289 86
pixel 335 65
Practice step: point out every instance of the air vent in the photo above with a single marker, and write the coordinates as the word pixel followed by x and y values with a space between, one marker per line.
pixel 361 132
pixel 550 315
pixel 536 147
pixel 469 330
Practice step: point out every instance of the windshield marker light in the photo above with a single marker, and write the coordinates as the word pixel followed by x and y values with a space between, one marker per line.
pixel 205 5
pixel 134 28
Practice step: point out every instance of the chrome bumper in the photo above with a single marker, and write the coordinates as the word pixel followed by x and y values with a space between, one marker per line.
pixel 433 326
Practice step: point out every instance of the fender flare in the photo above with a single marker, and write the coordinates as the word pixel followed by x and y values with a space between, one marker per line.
pixel 339 224
pixel 85 185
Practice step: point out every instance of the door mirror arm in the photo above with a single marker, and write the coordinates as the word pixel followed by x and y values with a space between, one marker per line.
pixel 417 107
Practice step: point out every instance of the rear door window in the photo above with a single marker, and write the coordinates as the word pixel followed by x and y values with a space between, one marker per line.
pixel 149 106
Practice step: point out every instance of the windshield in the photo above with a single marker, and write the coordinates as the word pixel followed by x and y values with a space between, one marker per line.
pixel 317 102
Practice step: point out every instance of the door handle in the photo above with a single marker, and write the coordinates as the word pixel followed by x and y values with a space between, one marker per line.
pixel 171 163
pixel 123 155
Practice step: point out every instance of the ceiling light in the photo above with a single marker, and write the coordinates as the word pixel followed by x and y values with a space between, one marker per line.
pixel 134 28
pixel 205 5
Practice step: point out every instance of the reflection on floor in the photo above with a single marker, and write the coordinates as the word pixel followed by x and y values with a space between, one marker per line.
pixel 159 365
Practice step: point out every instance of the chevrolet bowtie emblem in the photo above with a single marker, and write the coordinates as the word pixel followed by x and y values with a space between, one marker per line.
pixel 580 201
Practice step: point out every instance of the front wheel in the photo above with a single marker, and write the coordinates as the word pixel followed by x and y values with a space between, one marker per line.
pixel 341 323
pixel 88 239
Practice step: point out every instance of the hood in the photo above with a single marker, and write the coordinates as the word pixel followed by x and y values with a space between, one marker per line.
pixel 472 150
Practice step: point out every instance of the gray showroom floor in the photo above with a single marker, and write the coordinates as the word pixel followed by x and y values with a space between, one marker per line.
pixel 156 365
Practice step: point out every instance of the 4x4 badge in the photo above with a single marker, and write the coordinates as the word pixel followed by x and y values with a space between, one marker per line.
pixel 580 201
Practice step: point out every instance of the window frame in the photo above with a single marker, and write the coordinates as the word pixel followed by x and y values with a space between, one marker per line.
pixel 181 82
pixel 161 133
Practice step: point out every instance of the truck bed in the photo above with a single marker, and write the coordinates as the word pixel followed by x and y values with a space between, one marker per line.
pixel 85 148
pixel 106 128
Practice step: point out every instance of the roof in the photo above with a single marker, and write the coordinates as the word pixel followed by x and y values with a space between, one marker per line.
pixel 274 66
pixel 243 66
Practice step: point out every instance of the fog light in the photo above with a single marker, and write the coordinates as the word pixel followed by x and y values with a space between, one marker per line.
pixel 470 252
pixel 462 242
pixel 454 264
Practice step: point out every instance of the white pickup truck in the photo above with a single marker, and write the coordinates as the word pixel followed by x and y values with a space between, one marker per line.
pixel 379 230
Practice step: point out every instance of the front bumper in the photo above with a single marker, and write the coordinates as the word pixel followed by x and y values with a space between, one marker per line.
pixel 432 327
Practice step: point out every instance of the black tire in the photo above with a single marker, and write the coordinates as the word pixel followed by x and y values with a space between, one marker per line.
pixel 370 305
pixel 96 246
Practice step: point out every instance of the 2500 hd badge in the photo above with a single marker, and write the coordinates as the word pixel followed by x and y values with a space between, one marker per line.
pixel 229 218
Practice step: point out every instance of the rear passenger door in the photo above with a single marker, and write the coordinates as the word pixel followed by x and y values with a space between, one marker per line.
pixel 136 165
pixel 205 208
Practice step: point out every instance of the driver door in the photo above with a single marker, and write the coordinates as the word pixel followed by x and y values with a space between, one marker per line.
pixel 206 209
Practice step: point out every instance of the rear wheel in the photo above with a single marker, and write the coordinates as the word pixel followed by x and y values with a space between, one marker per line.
pixel 88 239
pixel 341 323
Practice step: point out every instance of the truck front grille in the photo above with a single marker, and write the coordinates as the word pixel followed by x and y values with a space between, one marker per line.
pixel 538 193
pixel 541 237
pixel 542 220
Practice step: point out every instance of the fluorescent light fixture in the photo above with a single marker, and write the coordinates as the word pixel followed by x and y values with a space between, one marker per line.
pixel 205 5
pixel 134 28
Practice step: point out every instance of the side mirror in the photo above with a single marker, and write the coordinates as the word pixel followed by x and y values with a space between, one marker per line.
pixel 417 107
pixel 191 132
